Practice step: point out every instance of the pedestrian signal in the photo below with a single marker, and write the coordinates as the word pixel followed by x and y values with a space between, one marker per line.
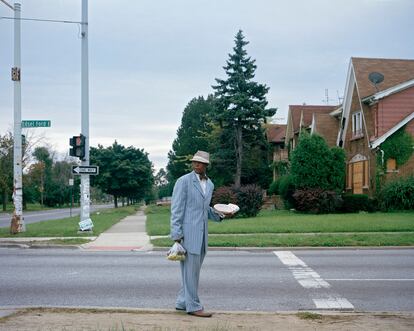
pixel 77 144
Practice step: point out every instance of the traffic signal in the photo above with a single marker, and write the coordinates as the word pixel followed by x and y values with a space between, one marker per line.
pixel 77 144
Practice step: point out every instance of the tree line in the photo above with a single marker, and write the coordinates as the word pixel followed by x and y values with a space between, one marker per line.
pixel 125 173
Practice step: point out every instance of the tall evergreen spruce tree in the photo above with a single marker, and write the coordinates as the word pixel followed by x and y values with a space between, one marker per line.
pixel 241 104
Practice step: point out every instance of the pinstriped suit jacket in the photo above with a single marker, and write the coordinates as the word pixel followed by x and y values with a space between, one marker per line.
pixel 190 211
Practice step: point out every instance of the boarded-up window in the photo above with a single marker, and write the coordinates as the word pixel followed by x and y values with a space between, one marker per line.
pixel 358 175
pixel 391 165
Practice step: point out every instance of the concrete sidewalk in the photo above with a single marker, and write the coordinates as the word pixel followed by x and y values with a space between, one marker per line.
pixel 128 234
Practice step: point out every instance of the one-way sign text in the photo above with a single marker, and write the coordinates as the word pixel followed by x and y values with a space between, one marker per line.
pixel 85 170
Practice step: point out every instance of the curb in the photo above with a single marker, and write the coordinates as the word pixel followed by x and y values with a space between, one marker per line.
pixel 289 248
pixel 14 245
pixel 227 249
pixel 172 311
pixel 37 246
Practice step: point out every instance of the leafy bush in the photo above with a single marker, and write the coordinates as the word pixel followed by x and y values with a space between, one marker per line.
pixel 315 165
pixel 274 187
pixel 398 194
pixel 224 194
pixel 249 199
pixel 286 190
pixel 317 201
pixel 353 203
pixel 399 146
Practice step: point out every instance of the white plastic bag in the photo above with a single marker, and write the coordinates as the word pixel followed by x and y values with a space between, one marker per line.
pixel 176 252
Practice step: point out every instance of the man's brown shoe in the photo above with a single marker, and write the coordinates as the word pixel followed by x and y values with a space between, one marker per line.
pixel 200 313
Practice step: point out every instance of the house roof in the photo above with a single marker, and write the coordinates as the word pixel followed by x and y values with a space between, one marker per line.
pixel 389 91
pixel 398 76
pixel 301 115
pixel 276 133
pixel 396 127
pixel 326 126
pixel 395 71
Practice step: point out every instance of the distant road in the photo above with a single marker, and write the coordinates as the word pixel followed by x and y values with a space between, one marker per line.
pixel 47 215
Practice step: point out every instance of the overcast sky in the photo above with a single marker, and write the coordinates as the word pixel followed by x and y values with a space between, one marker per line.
pixel 149 58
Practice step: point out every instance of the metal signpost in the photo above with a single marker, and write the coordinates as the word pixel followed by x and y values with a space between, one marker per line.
pixel 71 183
pixel 85 187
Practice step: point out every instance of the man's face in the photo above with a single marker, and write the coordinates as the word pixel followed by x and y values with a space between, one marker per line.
pixel 199 167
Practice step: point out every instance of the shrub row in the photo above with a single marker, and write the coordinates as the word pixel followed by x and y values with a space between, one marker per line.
pixel 249 198
pixel 395 195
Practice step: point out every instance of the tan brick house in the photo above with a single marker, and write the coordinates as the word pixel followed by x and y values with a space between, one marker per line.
pixel 275 134
pixel 371 114
pixel 319 119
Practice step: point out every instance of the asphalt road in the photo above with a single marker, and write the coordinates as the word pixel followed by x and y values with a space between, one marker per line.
pixel 46 215
pixel 363 280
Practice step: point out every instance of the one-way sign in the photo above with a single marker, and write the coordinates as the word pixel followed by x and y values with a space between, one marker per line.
pixel 85 170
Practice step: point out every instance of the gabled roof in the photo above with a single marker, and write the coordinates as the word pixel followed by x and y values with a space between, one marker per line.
pixel 326 126
pixel 276 133
pixel 397 76
pixel 389 91
pixel 398 126
pixel 395 72
pixel 301 115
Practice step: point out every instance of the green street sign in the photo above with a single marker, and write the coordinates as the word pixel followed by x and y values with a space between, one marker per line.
pixel 36 124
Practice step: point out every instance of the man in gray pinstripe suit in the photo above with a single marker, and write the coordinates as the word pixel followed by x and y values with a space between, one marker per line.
pixel 190 211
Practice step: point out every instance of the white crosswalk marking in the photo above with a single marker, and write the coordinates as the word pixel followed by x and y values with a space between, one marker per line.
pixel 333 303
pixel 310 279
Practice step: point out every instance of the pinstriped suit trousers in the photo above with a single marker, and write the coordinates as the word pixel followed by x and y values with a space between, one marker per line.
pixel 190 274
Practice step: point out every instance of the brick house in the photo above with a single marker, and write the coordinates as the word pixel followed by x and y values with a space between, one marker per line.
pixel 320 119
pixel 371 113
pixel 275 134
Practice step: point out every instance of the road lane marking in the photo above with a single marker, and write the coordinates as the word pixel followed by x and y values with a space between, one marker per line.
pixel 373 279
pixel 323 296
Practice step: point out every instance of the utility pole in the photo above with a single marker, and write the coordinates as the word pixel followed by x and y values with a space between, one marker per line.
pixel 17 222
pixel 85 187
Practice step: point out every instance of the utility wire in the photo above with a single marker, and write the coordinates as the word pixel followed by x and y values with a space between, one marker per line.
pixel 7 4
pixel 40 20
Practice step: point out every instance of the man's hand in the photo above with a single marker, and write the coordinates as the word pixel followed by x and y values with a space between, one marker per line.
pixel 228 215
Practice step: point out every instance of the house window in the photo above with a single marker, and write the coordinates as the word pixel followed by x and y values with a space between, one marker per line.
pixel 391 165
pixel 357 125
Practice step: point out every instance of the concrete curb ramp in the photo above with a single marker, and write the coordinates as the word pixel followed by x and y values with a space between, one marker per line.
pixel 127 235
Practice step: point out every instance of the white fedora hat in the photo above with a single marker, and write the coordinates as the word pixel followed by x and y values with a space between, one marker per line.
pixel 202 157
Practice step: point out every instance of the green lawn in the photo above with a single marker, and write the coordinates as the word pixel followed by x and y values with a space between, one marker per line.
pixel 292 240
pixel 68 227
pixel 158 223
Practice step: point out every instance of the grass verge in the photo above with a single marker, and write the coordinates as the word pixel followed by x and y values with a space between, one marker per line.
pixel 68 227
pixel 35 207
pixel 300 240
pixel 158 222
